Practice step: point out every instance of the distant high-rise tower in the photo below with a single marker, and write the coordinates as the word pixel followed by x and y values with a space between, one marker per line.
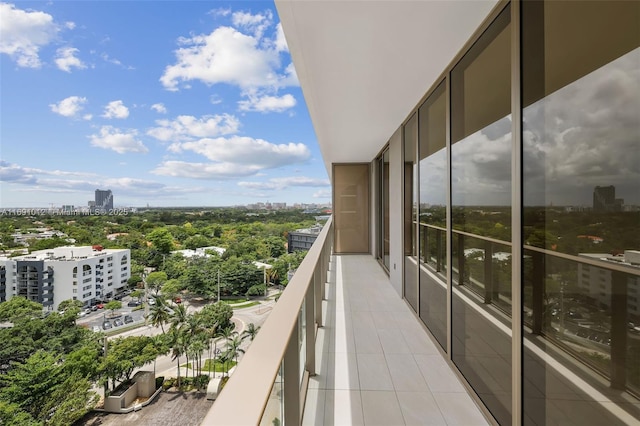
pixel 104 200
pixel 604 199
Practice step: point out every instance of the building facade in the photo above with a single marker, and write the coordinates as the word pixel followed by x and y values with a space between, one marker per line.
pixel 302 239
pixel 87 274
pixel 456 131
pixel 104 200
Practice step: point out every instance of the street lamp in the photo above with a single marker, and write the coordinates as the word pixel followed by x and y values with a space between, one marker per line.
pixel 146 296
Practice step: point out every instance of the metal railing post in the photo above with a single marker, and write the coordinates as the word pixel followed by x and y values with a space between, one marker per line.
pixel 291 379
pixel 310 306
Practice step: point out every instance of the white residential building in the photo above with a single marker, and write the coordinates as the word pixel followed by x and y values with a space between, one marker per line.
pixel 88 274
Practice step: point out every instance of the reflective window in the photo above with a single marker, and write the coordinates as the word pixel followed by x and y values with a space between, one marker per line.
pixel 384 206
pixel 410 171
pixel 581 170
pixel 481 216
pixel 433 214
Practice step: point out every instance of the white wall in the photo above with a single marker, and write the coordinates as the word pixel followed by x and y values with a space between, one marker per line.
pixel 395 210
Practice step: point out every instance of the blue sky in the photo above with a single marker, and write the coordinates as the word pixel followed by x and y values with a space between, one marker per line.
pixel 166 103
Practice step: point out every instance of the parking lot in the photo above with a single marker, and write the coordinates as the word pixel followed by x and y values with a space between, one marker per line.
pixel 98 318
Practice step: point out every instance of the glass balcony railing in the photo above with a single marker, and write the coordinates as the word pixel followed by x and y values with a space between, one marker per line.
pixel 270 383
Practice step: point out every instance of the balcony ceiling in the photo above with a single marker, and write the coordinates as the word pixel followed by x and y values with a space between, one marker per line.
pixel 363 65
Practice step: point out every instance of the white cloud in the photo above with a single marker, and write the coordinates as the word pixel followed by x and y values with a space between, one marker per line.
pixel 246 150
pixel 280 41
pixel 286 182
pixel 65 59
pixel 268 103
pixel 69 107
pixel 232 158
pixel 23 33
pixel 118 140
pixel 70 25
pixel 116 109
pixel 87 117
pixel 39 180
pixel 322 194
pixel 204 170
pixel 256 24
pixel 187 127
pixel 159 108
pixel 228 55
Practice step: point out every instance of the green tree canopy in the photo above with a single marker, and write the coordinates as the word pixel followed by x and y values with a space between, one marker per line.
pixel 161 239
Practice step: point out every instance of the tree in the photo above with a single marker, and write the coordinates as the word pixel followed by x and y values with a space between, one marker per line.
pixel 161 239
pixel 179 316
pixel 171 288
pixel 197 241
pixel 70 304
pixel 178 346
pixel 155 281
pixel 233 348
pixel 12 415
pixel 250 332
pixel 69 402
pixel 159 314
pixel 218 313
pixel 29 384
pixel 126 354
pixel 113 306
pixel 18 308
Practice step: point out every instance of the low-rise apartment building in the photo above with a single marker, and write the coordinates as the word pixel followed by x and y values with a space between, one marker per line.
pixel 88 274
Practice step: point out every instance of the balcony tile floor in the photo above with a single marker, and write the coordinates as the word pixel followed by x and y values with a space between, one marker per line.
pixel 376 363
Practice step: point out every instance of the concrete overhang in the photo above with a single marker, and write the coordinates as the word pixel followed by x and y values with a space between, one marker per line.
pixel 363 65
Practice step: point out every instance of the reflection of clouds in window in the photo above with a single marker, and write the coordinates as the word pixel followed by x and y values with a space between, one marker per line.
pixel 481 166
pixel 433 178
pixel 584 135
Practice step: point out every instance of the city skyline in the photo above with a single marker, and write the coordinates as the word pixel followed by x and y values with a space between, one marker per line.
pixel 200 106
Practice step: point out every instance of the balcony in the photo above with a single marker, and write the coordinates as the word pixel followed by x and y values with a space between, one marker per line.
pixel 353 353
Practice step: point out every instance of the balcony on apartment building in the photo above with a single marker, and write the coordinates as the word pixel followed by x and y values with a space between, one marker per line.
pixel 342 347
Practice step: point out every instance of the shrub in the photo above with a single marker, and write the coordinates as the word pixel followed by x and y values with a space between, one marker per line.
pixel 202 381
pixel 159 381
pixel 256 290
pixel 167 384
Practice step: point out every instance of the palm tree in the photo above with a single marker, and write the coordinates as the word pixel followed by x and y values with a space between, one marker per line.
pixel 179 316
pixel 250 332
pixel 227 333
pixel 212 333
pixel 159 315
pixel 160 342
pixel 179 347
pixel 233 348
pixel 196 348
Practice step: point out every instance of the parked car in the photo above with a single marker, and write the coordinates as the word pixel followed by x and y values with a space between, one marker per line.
pixel 128 319
pixel 133 304
pixel 151 301
pixel 106 325
pixel 117 322
pixel 94 308
pixel 87 311
pixel 96 329
pixel 100 306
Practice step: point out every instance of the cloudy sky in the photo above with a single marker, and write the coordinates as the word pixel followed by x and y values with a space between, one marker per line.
pixel 166 103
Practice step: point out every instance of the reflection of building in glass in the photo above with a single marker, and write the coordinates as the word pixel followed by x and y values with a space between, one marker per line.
pixel 88 274
pixel 104 200
pixel 596 282
pixel 604 199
